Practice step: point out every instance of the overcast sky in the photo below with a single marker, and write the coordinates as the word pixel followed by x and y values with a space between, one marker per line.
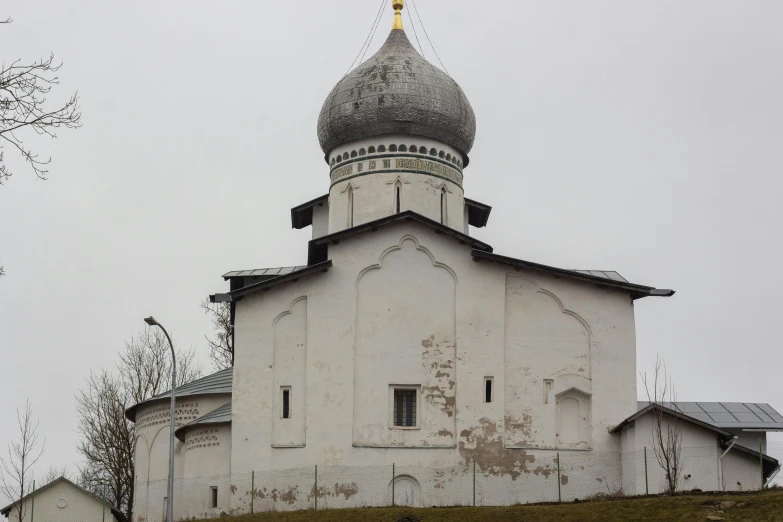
pixel 644 137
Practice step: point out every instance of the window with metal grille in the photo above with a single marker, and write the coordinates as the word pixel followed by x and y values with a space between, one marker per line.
pixel 405 408
pixel 213 497
pixel 286 403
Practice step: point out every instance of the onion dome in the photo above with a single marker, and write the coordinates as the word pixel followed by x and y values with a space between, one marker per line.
pixel 397 91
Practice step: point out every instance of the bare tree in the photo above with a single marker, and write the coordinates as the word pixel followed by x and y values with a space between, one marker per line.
pixel 107 436
pixel 24 87
pixel 16 475
pixel 221 345
pixel 53 474
pixel 667 429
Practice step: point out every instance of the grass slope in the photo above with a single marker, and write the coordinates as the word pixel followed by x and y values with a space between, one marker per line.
pixel 765 506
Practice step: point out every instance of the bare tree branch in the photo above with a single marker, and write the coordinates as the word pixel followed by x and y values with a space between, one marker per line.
pixel 53 474
pixel 23 106
pixel 221 345
pixel 667 429
pixel 107 437
pixel 16 475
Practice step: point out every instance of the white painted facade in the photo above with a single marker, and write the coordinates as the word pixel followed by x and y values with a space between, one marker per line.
pixel 384 357
pixel 65 501
pixel 702 466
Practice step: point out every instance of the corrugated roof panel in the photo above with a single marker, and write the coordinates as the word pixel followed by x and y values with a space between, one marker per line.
pixel 747 417
pixel 736 407
pixel 712 407
pixel 764 417
pixel 702 417
pixel 721 418
pixel 263 272
pixel 753 416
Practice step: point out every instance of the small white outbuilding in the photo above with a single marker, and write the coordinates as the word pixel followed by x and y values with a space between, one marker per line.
pixel 61 501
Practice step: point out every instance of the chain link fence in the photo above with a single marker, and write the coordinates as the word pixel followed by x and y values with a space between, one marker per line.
pixel 517 477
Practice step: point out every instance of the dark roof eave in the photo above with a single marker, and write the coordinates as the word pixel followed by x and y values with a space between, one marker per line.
pixel 293 276
pixel 407 215
pixel 667 411
pixel 302 215
pixel 478 213
pixel 636 291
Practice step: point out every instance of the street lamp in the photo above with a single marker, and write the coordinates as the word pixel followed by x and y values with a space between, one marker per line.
pixel 170 504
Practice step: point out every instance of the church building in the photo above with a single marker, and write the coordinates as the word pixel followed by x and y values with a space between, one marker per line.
pixel 404 340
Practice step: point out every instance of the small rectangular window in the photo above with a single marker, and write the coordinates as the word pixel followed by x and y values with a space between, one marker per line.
pixel 548 385
pixel 488 382
pixel 213 497
pixel 405 408
pixel 286 402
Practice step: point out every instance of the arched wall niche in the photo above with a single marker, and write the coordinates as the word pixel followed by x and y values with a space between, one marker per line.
pixel 573 414
pixel 547 350
pixel 289 363
pixel 405 336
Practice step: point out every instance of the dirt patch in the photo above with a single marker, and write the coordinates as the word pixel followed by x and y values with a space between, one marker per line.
pixel 483 445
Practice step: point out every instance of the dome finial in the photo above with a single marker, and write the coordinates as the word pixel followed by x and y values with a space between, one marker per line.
pixel 398 6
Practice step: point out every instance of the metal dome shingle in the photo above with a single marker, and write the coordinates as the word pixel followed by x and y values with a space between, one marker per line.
pixel 397 91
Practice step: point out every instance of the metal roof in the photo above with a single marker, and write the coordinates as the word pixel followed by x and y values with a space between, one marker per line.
pixel 728 415
pixel 606 274
pixel 397 91
pixel 218 416
pixel 263 272
pixel 273 281
pixel 219 382
pixel 636 291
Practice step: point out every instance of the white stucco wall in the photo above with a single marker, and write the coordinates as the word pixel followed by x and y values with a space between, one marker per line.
pixel 320 220
pixel 79 506
pixel 752 439
pixel 407 306
pixel 373 193
pixel 152 448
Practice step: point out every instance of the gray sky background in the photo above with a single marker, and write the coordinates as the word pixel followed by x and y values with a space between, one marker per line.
pixel 643 137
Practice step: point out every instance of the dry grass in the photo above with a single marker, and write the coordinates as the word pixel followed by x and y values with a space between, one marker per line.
pixel 765 506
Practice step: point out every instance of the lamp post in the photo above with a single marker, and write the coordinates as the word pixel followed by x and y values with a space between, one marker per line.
pixel 170 504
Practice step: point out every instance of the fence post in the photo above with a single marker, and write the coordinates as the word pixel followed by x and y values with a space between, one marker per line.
pixel 559 493
pixel 104 503
pixel 393 480
pixel 32 509
pixel 646 480
pixel 474 483
pixel 252 490
pixel 316 487
pixel 761 464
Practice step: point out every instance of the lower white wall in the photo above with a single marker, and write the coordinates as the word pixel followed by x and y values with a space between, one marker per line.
pixel 79 506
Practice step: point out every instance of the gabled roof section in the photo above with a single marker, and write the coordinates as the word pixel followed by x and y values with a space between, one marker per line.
pixel 318 247
pixel 729 415
pixel 302 216
pixel 221 415
pixel 6 510
pixel 674 413
pixel 478 213
pixel 262 272
pixel 636 291
pixel 219 382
